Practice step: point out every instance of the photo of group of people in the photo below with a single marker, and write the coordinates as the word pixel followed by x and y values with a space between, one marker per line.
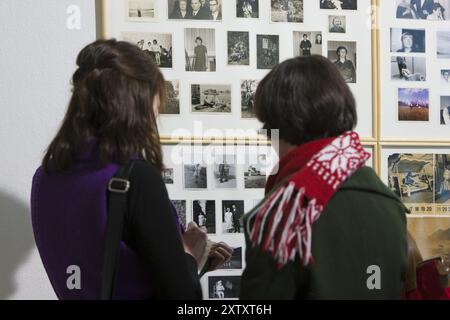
pixel 422 181
pixel 423 9
pixel 238 48
pixel 158 46
pixel 339 4
pixel 195 10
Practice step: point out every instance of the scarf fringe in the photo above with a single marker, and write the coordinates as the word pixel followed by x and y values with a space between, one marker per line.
pixel 286 238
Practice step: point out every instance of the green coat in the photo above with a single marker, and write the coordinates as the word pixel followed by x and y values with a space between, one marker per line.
pixel 364 224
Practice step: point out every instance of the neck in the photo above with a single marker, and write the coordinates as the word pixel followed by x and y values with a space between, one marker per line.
pixel 285 148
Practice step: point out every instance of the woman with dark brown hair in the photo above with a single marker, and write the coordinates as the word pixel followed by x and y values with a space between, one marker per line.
pixel 111 119
pixel 328 227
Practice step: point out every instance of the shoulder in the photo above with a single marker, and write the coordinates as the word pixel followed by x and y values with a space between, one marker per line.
pixel 145 174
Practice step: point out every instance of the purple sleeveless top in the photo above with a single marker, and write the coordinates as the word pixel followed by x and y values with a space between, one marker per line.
pixel 69 213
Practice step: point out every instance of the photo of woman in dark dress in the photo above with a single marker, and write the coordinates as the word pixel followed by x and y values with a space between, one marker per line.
pixel 200 56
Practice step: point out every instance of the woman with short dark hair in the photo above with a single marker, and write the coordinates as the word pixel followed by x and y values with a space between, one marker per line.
pixel 111 120
pixel 328 227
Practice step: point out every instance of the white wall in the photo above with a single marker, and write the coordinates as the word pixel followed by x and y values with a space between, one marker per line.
pixel 37 58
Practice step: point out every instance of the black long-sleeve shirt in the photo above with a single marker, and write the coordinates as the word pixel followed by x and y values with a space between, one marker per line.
pixel 151 230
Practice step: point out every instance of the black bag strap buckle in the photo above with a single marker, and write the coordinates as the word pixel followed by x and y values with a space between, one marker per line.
pixel 119 185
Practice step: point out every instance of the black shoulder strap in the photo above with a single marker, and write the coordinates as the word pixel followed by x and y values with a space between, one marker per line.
pixel 117 189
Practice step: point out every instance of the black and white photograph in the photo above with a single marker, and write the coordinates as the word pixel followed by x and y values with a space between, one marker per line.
pixel 248 91
pixel 247 9
pixel 343 55
pixel 411 177
pixel 407 40
pixel 337 24
pixel 437 10
pixel 167 175
pixel 443 44
pixel 442 178
pixel 204 214
pixel 225 171
pixel 235 263
pixel 445 110
pixel 286 11
pixel 238 48
pixel 158 46
pixel 445 77
pixel 172 105
pixel 210 10
pixel 339 4
pixel 255 173
pixel 211 98
pixel 307 43
pixel 200 49
pixel 406 68
pixel 268 51
pixel 232 216
pixel 180 207
pixel 195 176
pixel 413 104
pixel 141 10
pixel 224 287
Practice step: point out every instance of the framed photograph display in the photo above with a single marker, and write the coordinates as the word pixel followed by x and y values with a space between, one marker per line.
pixel 213 54
pixel 414 57
pixel 420 175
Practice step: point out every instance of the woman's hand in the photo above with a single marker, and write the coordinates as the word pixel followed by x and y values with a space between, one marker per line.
pixel 194 241
pixel 219 254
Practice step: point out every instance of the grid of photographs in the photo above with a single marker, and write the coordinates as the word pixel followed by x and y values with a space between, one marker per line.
pixel 201 51
pixel 215 186
pixel 418 42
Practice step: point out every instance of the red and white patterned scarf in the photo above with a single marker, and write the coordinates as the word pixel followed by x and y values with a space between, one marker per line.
pixel 307 179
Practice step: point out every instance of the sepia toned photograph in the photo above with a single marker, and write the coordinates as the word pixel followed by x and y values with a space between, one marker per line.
pixel 225 171
pixel 224 287
pixel 407 40
pixel 413 104
pixel 255 174
pixel 195 176
pixel 337 24
pixel 158 46
pixel 286 11
pixel 411 177
pixel 195 10
pixel 307 43
pixel 445 77
pixel 407 68
pixel 200 50
pixel 141 10
pixel 248 91
pixel 445 110
pixel 343 55
pixel 423 10
pixel 211 98
pixel 233 216
pixel 248 9
pixel 268 51
pixel 339 4
pixel 235 263
pixel 442 179
pixel 204 214
pixel 238 48
pixel 180 207
pixel 432 236
pixel 443 44
pixel 172 105
pixel 167 175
